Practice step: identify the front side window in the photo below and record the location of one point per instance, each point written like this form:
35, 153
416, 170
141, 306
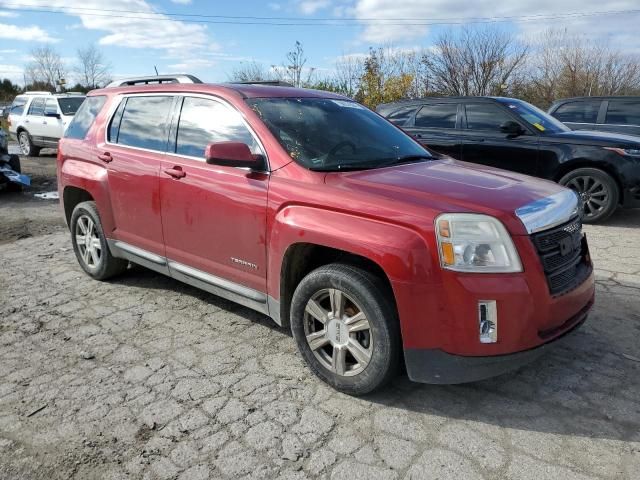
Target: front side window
84, 118
539, 120
400, 117
578, 112
144, 122
36, 107
69, 106
51, 107
623, 112
482, 116
326, 134
438, 115
204, 121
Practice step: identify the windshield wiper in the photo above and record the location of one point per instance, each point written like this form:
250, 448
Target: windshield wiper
343, 168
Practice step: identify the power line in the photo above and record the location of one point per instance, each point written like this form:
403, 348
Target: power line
296, 21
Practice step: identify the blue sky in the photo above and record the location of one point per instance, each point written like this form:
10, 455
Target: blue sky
135, 42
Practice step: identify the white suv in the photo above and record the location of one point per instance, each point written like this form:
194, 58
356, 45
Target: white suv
38, 119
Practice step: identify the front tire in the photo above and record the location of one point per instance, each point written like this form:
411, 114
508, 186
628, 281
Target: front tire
346, 327
26, 145
598, 192
90, 244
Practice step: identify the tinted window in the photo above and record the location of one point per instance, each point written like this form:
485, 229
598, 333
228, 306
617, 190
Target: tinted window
578, 112
51, 106
441, 115
144, 122
485, 117
541, 121
69, 106
400, 117
36, 107
84, 118
17, 107
204, 121
623, 112
112, 134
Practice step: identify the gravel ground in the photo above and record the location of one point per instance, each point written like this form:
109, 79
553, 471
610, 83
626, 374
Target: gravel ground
143, 377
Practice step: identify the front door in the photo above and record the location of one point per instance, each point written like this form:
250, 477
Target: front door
213, 217
484, 143
136, 142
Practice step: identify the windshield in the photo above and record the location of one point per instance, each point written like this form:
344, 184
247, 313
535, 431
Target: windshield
69, 106
541, 121
330, 135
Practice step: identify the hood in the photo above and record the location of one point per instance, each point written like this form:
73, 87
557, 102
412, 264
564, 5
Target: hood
449, 185
588, 137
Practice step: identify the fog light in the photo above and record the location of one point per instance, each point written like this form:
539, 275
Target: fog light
488, 321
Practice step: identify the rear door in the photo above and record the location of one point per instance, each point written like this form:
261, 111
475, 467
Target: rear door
435, 126
136, 142
213, 217
483, 142
579, 114
34, 122
622, 116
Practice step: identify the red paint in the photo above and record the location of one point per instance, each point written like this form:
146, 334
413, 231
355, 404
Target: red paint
213, 213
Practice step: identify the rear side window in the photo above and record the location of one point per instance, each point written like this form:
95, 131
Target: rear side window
17, 107
36, 107
400, 117
485, 117
623, 112
84, 118
69, 106
204, 121
578, 112
442, 115
144, 123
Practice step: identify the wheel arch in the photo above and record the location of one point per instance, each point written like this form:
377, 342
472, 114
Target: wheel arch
71, 197
607, 168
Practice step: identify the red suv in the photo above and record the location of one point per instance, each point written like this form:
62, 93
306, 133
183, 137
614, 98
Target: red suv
314, 210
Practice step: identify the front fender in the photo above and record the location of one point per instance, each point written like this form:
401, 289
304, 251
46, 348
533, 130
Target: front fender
401, 252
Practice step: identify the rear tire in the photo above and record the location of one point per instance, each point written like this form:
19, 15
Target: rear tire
90, 244
598, 192
26, 145
346, 327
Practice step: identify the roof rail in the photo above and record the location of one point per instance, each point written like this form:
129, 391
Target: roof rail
36, 93
273, 83
155, 79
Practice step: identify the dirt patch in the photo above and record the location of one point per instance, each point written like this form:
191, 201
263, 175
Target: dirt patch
21, 214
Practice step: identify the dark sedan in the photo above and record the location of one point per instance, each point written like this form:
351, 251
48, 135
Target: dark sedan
603, 168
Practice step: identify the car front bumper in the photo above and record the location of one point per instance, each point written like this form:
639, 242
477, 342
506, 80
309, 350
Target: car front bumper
439, 367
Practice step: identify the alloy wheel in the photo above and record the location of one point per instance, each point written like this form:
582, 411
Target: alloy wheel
593, 194
88, 242
25, 143
338, 332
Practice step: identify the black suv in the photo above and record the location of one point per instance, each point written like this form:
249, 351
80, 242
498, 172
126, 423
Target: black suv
603, 168
605, 114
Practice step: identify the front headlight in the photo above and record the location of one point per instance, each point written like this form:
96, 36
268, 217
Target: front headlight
469, 242
630, 152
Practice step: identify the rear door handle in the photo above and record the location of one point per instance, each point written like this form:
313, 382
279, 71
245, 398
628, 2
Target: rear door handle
175, 172
105, 157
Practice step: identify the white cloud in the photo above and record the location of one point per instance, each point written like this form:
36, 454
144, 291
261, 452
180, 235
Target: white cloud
274, 6
309, 7
25, 34
614, 27
12, 72
148, 30
181, 2
5, 14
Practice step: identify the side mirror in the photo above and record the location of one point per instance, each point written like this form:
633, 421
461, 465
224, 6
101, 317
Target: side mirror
511, 128
52, 115
233, 154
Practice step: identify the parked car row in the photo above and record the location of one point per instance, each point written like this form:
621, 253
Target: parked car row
603, 168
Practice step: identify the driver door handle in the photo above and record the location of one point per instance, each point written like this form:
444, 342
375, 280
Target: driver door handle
105, 157
175, 172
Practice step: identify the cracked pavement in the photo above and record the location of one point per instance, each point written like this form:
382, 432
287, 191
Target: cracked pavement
144, 377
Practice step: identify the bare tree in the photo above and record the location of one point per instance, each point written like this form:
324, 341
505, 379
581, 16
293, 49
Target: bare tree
46, 66
474, 61
249, 72
92, 68
296, 61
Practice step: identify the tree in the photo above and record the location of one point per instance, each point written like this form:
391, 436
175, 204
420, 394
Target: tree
474, 61
92, 69
8, 90
45, 67
249, 72
296, 61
